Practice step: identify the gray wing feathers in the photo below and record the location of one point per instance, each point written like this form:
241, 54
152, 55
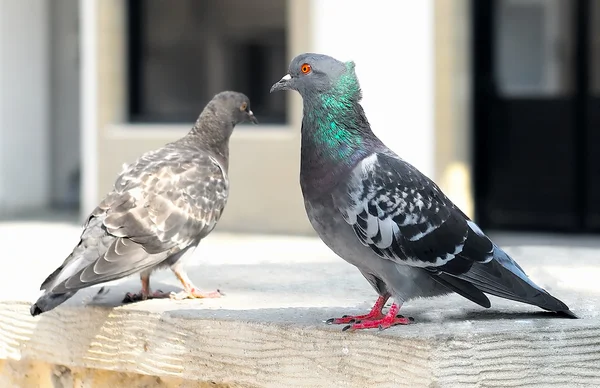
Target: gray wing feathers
160, 205
116, 263
404, 217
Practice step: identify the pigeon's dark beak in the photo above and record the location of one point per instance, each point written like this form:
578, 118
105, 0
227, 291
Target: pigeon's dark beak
283, 84
252, 118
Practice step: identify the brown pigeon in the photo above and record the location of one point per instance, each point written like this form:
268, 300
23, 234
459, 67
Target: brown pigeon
160, 208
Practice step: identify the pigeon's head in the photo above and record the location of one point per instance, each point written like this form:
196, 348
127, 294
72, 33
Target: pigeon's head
316, 74
234, 106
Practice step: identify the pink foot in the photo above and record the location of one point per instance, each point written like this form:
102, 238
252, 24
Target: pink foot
389, 320
195, 294
375, 313
355, 318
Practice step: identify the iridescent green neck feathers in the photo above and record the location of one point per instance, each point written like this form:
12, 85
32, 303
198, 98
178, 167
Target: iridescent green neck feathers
335, 119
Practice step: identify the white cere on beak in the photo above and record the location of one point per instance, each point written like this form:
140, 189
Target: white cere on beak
286, 77
250, 113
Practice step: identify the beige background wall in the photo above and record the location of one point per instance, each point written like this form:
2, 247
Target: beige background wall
261, 157
265, 157
453, 162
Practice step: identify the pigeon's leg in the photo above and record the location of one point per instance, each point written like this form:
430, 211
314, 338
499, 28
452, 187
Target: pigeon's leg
145, 293
374, 314
189, 289
389, 320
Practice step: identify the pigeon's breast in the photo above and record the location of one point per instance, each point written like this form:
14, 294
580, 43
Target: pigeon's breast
335, 232
404, 282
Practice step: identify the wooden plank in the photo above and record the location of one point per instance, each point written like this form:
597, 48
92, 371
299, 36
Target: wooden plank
551, 352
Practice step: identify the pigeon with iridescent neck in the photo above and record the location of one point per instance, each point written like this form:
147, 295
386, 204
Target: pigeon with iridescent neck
381, 214
160, 208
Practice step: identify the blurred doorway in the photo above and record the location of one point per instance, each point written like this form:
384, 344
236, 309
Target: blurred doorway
158, 62
536, 114
64, 106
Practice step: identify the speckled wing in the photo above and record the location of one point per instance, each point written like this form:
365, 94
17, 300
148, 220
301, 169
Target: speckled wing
164, 202
404, 217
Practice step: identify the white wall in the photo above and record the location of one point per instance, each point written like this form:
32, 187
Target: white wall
392, 43
88, 91
24, 108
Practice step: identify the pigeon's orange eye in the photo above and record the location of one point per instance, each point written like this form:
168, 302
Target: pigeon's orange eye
305, 69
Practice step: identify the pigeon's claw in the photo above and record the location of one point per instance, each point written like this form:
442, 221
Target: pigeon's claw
374, 314
389, 320
189, 290
382, 324
355, 318
132, 297
145, 293
193, 293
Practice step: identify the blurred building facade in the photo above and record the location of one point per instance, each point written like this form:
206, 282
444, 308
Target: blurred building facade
494, 100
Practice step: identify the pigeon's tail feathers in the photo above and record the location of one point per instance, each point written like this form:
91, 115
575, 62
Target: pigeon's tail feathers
47, 284
503, 277
79, 258
49, 301
101, 258
106, 269
463, 288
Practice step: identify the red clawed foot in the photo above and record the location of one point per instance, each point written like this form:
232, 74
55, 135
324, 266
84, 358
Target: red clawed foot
389, 320
354, 318
374, 314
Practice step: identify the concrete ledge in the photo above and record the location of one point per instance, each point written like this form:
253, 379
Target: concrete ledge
38, 374
268, 330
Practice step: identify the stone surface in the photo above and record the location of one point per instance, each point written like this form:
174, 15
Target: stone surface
268, 330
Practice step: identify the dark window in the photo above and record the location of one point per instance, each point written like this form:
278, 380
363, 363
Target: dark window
183, 52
